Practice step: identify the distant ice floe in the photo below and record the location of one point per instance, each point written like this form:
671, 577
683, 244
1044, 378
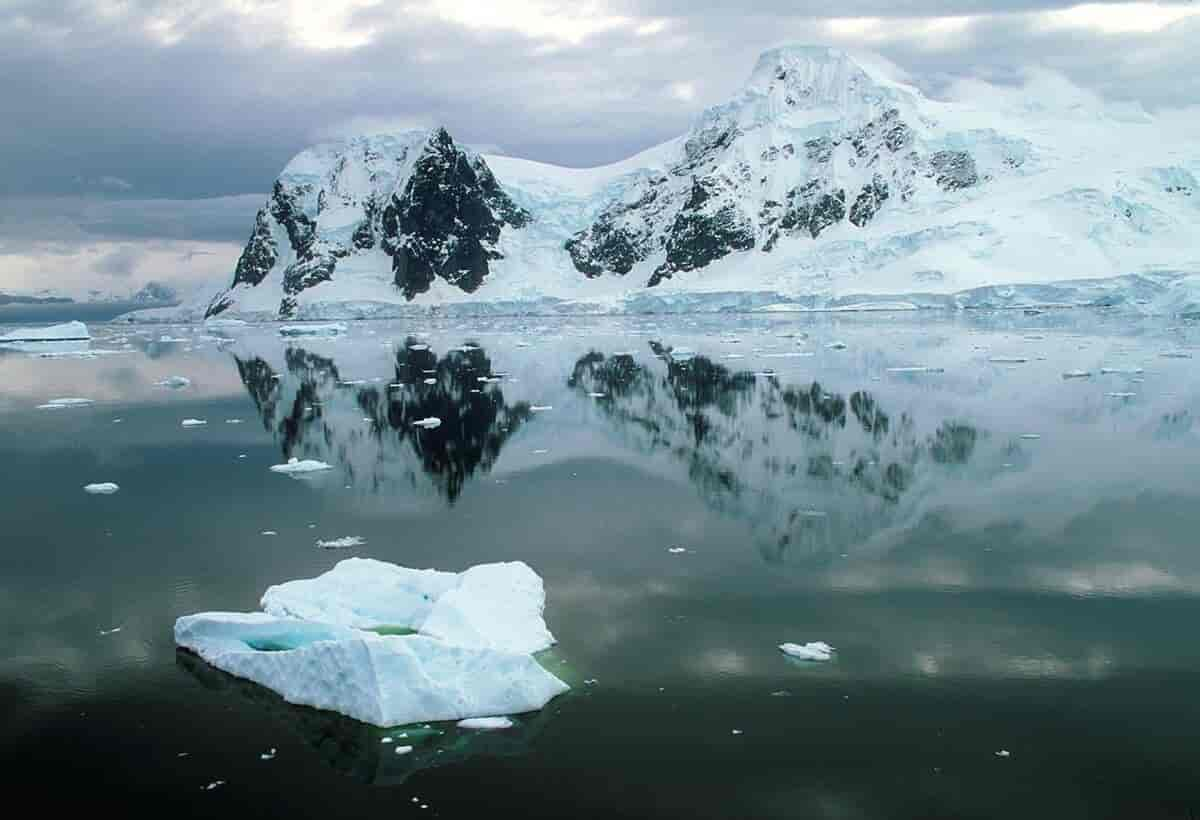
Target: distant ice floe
916, 369
540, 408
295, 466
1077, 374
816, 651
101, 488
343, 543
175, 382
65, 332
314, 329
430, 423
60, 404
389, 645
193, 423
1008, 360
486, 724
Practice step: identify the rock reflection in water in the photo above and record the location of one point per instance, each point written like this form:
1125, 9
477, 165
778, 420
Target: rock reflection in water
369, 429
812, 469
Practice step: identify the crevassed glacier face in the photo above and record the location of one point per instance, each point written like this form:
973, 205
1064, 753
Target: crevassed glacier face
383, 680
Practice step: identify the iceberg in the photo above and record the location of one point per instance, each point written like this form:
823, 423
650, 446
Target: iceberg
489, 606
296, 466
389, 645
66, 332
815, 651
102, 488
385, 680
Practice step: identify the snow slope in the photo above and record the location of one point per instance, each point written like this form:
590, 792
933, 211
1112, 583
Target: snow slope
827, 181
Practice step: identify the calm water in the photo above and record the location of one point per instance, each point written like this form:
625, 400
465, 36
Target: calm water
1005, 559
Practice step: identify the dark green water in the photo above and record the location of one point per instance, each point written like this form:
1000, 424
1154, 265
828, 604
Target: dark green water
1005, 559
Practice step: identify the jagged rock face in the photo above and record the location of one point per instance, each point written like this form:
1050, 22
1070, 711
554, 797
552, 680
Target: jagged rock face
447, 220
434, 209
744, 179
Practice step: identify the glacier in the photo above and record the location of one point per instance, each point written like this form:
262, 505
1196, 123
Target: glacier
828, 182
388, 645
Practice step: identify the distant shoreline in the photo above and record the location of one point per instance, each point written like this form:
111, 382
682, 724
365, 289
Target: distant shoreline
64, 312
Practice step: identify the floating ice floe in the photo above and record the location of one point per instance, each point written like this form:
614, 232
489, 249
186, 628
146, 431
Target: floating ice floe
1077, 374
268, 532
1004, 753
233, 421
540, 408
430, 381
1121, 371
404, 750
174, 382
677, 550
815, 651
313, 329
431, 423
65, 332
295, 466
1175, 354
1031, 436
597, 395
486, 724
836, 345
916, 369
1008, 360
59, 404
343, 543
389, 645
193, 423
101, 488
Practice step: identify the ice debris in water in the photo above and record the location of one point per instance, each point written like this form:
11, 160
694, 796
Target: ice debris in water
112, 631
313, 329
815, 651
597, 395
174, 382
344, 543
403, 750
430, 423
233, 421
268, 755
268, 532
1077, 374
213, 785
1004, 753
916, 369
1121, 395
1121, 371
389, 645
58, 404
193, 423
296, 466
102, 488
1031, 436
540, 408
1008, 360
430, 381
1175, 354
836, 345
486, 723
676, 550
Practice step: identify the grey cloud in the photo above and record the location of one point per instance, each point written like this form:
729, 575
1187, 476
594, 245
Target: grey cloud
120, 263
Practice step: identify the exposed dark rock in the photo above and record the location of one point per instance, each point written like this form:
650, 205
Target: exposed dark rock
260, 254
868, 202
953, 170
696, 239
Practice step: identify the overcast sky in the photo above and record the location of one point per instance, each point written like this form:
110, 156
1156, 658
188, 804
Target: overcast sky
138, 136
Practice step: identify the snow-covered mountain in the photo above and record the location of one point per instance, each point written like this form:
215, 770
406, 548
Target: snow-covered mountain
827, 181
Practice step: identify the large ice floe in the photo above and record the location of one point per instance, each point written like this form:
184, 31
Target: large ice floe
65, 332
389, 645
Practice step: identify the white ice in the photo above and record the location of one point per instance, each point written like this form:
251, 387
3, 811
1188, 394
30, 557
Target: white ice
174, 382
193, 423
66, 332
295, 466
343, 543
102, 488
313, 329
815, 651
430, 423
58, 404
486, 723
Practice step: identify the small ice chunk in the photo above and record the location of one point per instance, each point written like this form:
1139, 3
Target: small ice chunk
58, 404
540, 452
268, 532
268, 755
403, 750
815, 651
430, 381
313, 329
1121, 395
295, 466
418, 348
1077, 374
540, 408
486, 724
1008, 360
213, 785
193, 423
233, 421
1121, 371
1031, 436
916, 369
676, 550
343, 543
737, 732
836, 345
102, 488
112, 631
175, 382
1175, 354
430, 423
597, 395
1004, 753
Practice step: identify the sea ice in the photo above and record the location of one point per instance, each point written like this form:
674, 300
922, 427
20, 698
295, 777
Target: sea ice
295, 466
59, 404
815, 651
102, 488
65, 332
430, 423
193, 423
174, 382
486, 723
344, 543
1077, 374
313, 329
